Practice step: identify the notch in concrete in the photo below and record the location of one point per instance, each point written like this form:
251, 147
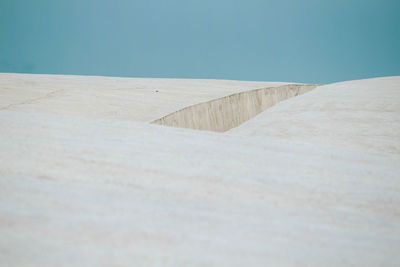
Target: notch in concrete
228, 112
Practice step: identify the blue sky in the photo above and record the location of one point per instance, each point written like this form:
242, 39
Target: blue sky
315, 41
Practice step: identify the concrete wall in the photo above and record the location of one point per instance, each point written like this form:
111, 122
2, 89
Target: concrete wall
228, 112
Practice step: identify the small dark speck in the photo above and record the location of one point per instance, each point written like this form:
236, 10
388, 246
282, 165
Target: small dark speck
156, 91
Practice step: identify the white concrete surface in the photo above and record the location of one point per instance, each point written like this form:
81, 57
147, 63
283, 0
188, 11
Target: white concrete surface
83, 190
136, 99
364, 113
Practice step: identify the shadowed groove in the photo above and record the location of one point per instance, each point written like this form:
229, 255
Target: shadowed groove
230, 111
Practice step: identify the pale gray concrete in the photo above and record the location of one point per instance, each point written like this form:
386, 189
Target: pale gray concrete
136, 99
83, 190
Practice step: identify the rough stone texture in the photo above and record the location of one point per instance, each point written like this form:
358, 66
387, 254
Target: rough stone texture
318, 186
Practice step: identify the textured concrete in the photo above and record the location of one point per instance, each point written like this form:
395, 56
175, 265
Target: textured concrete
84, 190
135, 99
230, 111
364, 113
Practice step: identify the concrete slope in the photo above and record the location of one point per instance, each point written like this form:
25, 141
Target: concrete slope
81, 190
363, 113
230, 111
135, 99
106, 192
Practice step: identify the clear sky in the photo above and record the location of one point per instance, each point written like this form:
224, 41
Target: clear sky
316, 41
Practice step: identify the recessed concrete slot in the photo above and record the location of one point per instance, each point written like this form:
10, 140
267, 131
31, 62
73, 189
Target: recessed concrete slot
225, 113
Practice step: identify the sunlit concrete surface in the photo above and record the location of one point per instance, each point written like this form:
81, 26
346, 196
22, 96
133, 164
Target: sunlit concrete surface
136, 99
311, 181
363, 113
